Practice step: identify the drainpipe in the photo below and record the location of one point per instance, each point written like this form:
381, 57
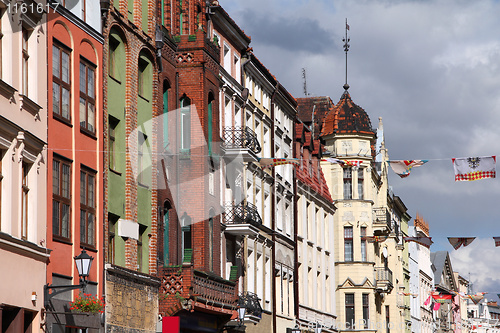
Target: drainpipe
273, 210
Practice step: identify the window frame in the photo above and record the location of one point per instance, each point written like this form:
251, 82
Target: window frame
364, 252
347, 181
350, 313
348, 241
24, 199
60, 199
360, 183
366, 309
25, 36
185, 125
59, 81
88, 99
88, 206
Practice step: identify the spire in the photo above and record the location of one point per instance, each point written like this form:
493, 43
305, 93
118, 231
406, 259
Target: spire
346, 41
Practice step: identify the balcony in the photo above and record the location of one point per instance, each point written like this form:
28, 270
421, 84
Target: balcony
381, 220
251, 302
241, 219
183, 287
383, 276
240, 141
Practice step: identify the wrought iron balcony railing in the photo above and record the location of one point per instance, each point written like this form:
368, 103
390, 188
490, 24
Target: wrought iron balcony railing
382, 216
242, 213
383, 276
251, 302
240, 137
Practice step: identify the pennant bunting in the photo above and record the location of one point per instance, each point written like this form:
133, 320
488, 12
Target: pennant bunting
476, 298
427, 301
456, 242
333, 160
409, 294
436, 306
474, 168
425, 241
497, 243
271, 162
402, 168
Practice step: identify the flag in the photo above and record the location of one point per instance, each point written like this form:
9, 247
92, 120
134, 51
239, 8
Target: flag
456, 242
333, 160
474, 168
497, 243
427, 301
425, 241
271, 162
403, 167
352, 163
436, 306
347, 26
376, 239
442, 298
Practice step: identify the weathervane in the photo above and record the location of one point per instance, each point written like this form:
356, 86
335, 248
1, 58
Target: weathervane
346, 40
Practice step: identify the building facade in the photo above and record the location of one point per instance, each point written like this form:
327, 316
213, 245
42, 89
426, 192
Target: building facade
24, 251
315, 268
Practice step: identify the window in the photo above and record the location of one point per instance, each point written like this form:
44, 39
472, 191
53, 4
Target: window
185, 235
114, 45
210, 123
24, 201
360, 183
140, 247
141, 158
87, 207
348, 250
211, 240
347, 183
143, 78
166, 88
181, 18
113, 124
363, 244
60, 81
87, 96
387, 319
227, 58
61, 200
349, 310
166, 232
185, 125
366, 310
112, 219
26, 35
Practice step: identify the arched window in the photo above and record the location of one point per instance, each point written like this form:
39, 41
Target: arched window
186, 244
199, 25
210, 122
185, 115
166, 233
145, 77
211, 215
166, 88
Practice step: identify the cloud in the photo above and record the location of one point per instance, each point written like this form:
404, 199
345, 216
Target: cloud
484, 274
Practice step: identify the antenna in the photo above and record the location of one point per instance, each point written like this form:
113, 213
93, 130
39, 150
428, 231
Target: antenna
346, 40
305, 82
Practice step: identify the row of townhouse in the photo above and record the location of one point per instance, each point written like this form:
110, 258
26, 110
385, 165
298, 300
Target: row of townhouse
131, 132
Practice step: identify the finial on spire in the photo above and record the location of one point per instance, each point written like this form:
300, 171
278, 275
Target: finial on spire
346, 41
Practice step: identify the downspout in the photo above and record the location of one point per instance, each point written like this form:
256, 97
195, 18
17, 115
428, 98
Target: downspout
273, 209
295, 223
177, 169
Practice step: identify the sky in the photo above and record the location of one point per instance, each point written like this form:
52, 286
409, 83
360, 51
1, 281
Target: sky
431, 70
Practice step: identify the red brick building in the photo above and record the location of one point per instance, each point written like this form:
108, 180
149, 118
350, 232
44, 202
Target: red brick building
190, 266
74, 159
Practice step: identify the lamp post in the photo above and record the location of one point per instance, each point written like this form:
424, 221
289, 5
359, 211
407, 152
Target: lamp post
83, 263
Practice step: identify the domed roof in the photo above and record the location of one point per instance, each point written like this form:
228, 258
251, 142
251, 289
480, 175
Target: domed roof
347, 117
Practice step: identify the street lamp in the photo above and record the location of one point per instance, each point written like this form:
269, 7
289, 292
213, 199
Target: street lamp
241, 314
83, 263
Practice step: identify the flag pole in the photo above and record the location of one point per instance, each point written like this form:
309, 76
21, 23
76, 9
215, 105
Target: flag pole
346, 41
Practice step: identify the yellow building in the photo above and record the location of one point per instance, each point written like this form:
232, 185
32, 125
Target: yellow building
367, 223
